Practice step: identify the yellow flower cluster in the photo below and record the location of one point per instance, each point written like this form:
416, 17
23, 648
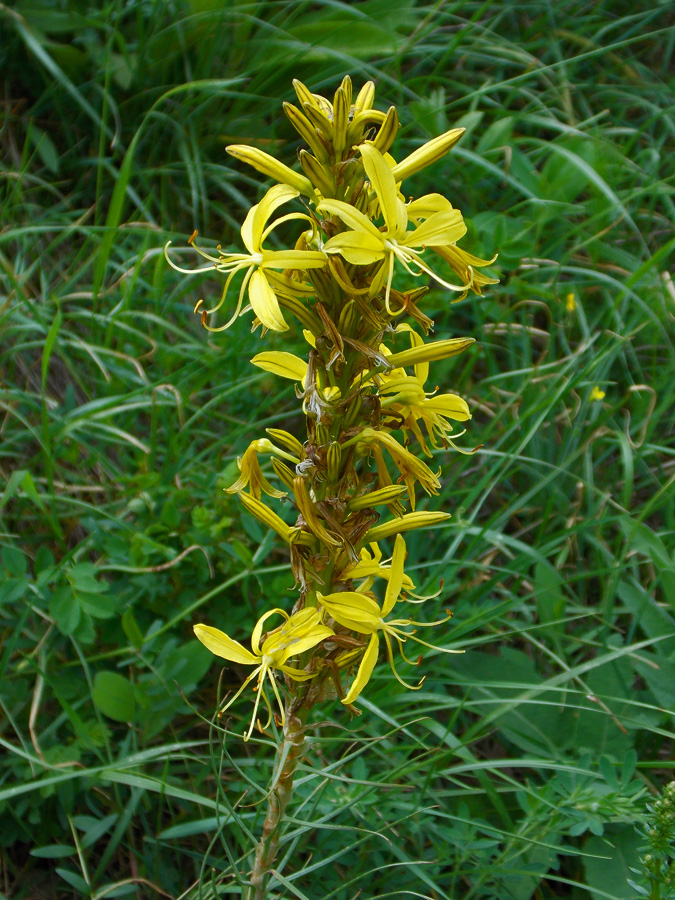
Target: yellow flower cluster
363, 397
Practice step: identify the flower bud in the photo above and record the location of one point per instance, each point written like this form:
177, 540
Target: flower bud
282, 472
333, 460
380, 497
268, 165
408, 522
426, 154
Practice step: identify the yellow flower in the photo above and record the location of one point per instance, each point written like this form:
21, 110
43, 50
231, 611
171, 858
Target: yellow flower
365, 244
404, 395
361, 613
251, 473
411, 468
570, 302
596, 393
300, 632
371, 566
258, 263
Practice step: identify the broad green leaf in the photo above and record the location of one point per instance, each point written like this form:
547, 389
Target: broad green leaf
53, 851
14, 562
84, 577
65, 609
114, 696
610, 876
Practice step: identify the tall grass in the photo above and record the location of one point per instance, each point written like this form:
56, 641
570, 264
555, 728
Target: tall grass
523, 767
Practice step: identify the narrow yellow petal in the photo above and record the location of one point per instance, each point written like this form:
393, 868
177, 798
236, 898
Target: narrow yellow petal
395, 582
264, 302
380, 497
258, 630
266, 515
450, 405
282, 363
385, 136
221, 645
308, 512
427, 205
439, 229
353, 610
258, 215
365, 669
380, 177
352, 217
357, 247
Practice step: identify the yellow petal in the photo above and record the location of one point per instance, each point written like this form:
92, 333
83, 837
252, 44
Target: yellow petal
221, 645
353, 610
439, 229
352, 217
365, 669
258, 630
357, 247
258, 215
395, 582
281, 363
380, 177
264, 302
426, 206
450, 405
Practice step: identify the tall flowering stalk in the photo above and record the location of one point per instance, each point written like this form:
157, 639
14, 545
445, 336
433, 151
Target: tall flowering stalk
369, 415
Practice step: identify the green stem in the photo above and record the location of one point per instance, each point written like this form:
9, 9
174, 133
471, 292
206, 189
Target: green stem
291, 752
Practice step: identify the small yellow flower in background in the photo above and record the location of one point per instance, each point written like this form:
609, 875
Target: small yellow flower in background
570, 302
300, 632
596, 393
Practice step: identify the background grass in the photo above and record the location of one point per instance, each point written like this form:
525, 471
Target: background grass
523, 767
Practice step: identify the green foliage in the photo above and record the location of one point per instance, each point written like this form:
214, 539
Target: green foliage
521, 768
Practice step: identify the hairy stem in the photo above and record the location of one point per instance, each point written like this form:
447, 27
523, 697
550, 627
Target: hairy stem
291, 752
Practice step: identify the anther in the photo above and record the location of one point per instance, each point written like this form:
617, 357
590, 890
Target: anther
197, 305
193, 236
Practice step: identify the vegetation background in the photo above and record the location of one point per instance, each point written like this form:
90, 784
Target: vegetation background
524, 767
